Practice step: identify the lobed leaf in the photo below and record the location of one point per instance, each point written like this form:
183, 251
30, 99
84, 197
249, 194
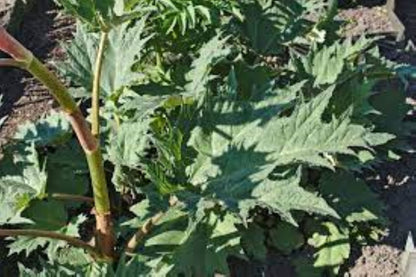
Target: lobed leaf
117, 71
333, 247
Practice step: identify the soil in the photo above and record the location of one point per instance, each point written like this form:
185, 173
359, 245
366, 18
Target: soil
395, 182
366, 20
343, 4
25, 99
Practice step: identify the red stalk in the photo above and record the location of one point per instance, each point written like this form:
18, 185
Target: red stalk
11, 46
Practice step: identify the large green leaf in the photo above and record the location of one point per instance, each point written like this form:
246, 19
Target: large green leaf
253, 240
117, 72
67, 170
22, 180
324, 64
50, 130
351, 197
128, 146
48, 270
391, 104
213, 238
284, 196
332, 245
99, 14
127, 151
269, 26
285, 238
209, 55
125, 267
46, 215
304, 137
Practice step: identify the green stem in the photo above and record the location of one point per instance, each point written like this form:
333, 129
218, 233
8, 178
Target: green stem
90, 145
147, 227
48, 234
142, 232
71, 197
99, 183
59, 91
104, 227
117, 121
11, 63
95, 113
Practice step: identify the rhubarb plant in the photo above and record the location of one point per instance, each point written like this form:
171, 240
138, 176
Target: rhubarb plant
232, 144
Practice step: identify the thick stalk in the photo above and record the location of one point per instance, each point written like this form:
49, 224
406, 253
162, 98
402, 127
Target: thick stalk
142, 232
148, 226
90, 145
72, 197
47, 234
11, 62
95, 112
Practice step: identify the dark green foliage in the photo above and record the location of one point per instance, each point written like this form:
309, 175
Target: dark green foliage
285, 238
215, 113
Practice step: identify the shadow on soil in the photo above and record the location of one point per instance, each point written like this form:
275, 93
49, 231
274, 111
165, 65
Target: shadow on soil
395, 182
33, 34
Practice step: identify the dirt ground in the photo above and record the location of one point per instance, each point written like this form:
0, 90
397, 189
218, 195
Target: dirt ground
395, 182
41, 31
25, 99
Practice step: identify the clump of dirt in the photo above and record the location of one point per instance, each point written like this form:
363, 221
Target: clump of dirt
379, 260
364, 20
396, 185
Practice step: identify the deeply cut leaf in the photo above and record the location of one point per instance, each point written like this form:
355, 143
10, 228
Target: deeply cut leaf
117, 72
332, 245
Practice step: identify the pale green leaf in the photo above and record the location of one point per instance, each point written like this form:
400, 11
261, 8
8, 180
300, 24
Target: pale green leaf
50, 130
304, 137
214, 239
128, 146
209, 55
269, 26
22, 179
117, 72
30, 244
284, 196
332, 245
99, 14
325, 64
